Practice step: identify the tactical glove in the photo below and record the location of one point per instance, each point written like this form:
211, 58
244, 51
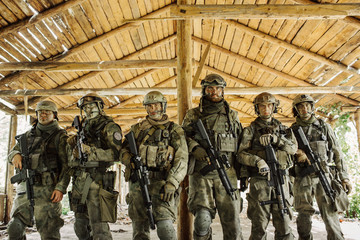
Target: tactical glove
267, 139
199, 153
263, 167
85, 148
169, 192
301, 157
126, 159
347, 186
72, 141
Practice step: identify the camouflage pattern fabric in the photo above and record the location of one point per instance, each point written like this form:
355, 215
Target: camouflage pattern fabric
250, 152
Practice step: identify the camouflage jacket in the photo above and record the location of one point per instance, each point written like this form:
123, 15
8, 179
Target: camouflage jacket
251, 151
223, 127
162, 147
323, 142
47, 153
104, 137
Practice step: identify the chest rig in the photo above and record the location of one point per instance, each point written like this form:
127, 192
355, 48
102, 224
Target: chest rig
155, 147
260, 129
94, 132
222, 131
43, 153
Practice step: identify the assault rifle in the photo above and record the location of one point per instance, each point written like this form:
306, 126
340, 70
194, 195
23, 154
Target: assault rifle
141, 175
216, 161
276, 181
80, 139
26, 174
315, 166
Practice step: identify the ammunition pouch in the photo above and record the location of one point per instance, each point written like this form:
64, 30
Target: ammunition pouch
226, 142
108, 205
156, 156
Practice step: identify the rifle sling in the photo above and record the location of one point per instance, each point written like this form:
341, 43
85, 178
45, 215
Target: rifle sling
85, 190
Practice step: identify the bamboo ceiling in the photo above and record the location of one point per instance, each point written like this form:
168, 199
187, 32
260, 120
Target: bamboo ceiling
77, 44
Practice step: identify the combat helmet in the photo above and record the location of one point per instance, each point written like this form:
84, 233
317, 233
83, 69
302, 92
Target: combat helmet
47, 105
91, 98
212, 80
265, 97
155, 97
300, 99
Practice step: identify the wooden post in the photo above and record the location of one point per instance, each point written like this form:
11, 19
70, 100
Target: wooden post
357, 125
10, 170
184, 97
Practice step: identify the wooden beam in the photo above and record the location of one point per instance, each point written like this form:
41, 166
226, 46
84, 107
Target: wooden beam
184, 97
27, 22
86, 66
6, 109
334, 64
174, 91
12, 78
280, 74
266, 11
357, 125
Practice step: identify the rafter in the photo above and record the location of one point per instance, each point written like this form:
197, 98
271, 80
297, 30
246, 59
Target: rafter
275, 72
12, 78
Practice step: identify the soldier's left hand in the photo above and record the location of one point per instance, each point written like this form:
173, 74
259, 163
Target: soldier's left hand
169, 192
85, 148
56, 196
267, 139
347, 186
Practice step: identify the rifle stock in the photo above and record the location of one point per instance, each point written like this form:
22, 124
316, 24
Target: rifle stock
276, 181
315, 166
26, 174
216, 162
142, 176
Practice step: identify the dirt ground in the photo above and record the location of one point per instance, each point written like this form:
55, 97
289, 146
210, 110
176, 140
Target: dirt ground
122, 229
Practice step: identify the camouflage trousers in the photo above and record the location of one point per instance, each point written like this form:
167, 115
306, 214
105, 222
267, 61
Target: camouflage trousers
137, 210
260, 215
306, 189
207, 192
100, 230
47, 214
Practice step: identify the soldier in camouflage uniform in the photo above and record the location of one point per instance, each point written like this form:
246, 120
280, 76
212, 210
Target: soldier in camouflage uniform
261, 132
93, 198
324, 144
206, 193
47, 155
162, 146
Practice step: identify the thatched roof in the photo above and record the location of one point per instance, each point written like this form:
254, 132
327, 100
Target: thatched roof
284, 50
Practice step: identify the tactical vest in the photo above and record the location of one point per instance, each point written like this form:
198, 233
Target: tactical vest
316, 133
154, 147
43, 152
257, 149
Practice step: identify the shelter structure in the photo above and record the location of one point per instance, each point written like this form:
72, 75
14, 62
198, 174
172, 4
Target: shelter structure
121, 49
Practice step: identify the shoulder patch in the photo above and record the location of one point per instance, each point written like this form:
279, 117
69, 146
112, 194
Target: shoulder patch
117, 137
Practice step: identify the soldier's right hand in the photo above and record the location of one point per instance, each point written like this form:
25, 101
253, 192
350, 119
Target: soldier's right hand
17, 161
301, 157
72, 141
263, 167
199, 153
125, 159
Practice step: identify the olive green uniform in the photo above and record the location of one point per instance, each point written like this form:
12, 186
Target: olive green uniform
47, 156
206, 193
250, 153
163, 150
92, 196
324, 144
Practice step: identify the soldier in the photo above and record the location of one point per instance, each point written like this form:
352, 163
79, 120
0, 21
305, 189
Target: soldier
263, 131
206, 193
162, 146
324, 144
46, 144
93, 198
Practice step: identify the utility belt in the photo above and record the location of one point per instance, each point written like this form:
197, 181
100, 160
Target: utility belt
157, 174
45, 178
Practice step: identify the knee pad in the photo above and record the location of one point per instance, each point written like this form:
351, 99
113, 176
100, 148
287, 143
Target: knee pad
165, 230
16, 229
82, 228
202, 222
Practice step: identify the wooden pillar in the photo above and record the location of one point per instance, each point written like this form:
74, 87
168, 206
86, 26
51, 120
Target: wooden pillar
357, 124
184, 98
10, 170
